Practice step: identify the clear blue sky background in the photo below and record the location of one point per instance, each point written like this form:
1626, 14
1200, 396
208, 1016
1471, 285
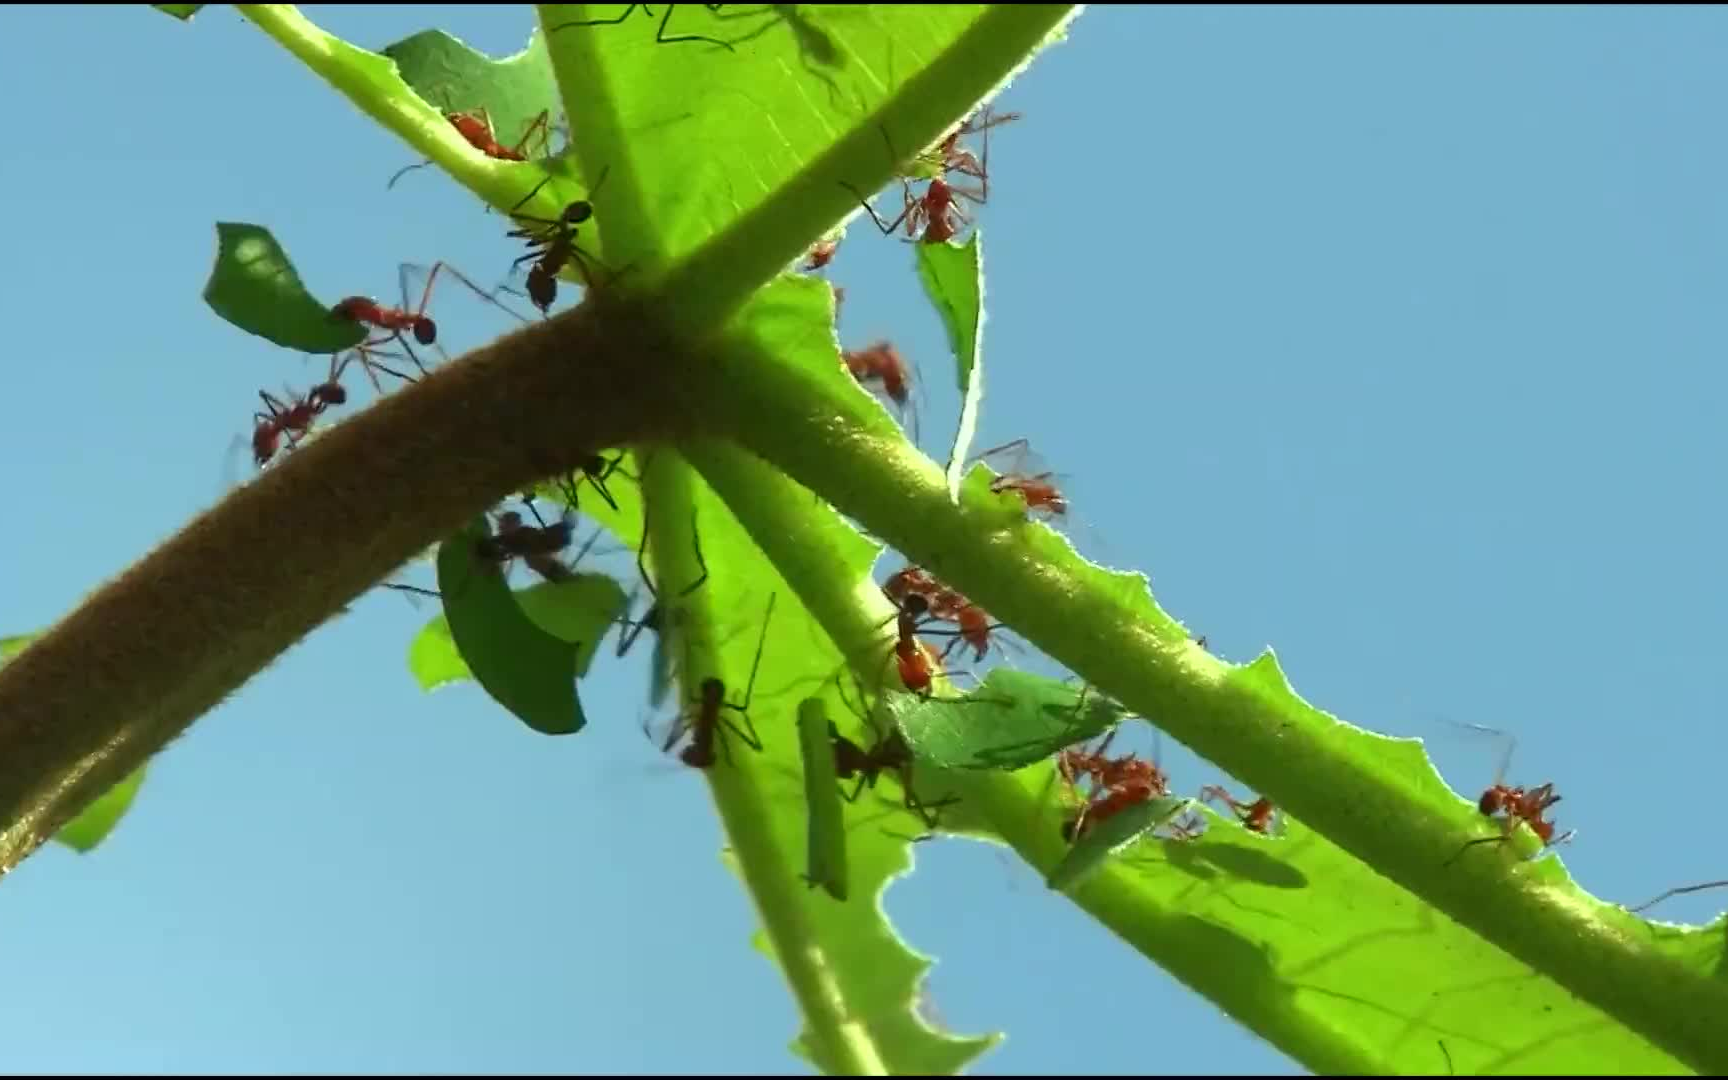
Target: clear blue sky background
1391, 339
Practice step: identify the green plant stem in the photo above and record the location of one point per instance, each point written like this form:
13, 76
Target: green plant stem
740, 794
1243, 720
108, 686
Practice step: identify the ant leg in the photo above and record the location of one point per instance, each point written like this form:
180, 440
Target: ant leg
660, 37
599, 22
887, 229
755, 666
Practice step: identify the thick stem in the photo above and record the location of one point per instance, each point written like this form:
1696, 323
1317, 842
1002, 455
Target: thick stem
113, 682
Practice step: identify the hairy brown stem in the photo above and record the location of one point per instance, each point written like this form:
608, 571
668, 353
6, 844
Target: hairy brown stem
189, 624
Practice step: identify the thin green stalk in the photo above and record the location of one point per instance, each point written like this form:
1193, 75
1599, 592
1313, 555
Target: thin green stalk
739, 787
1247, 721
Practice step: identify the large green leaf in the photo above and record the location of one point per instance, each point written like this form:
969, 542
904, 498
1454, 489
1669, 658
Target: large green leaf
523, 667
254, 286
1013, 720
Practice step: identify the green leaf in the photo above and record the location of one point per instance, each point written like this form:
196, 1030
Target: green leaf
827, 845
12, 646
254, 286
1110, 836
452, 77
1013, 720
524, 668
577, 611
97, 820
953, 277
183, 12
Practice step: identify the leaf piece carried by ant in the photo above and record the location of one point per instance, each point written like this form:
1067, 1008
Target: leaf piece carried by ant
183, 12
827, 847
97, 820
254, 286
953, 279
449, 75
1013, 720
577, 611
1112, 835
521, 666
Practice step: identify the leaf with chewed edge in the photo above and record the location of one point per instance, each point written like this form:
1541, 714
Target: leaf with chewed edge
183, 12
523, 668
254, 285
452, 77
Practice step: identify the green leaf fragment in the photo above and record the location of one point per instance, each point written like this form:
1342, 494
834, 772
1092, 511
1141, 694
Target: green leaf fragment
1013, 720
1107, 837
96, 821
452, 77
577, 611
254, 286
827, 848
953, 277
183, 12
523, 667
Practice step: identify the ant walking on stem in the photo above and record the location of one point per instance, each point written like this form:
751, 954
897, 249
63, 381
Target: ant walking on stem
705, 715
1514, 804
367, 311
552, 244
889, 753
475, 127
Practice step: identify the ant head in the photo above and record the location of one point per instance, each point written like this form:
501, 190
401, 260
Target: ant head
915, 604
331, 393
711, 693
578, 212
425, 330
349, 308
509, 521
1491, 802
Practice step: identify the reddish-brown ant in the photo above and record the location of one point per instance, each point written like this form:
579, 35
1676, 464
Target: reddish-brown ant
821, 254
1117, 784
364, 309
1038, 490
1514, 804
660, 37
294, 419
938, 210
942, 604
880, 362
956, 158
1256, 816
552, 244
703, 721
475, 126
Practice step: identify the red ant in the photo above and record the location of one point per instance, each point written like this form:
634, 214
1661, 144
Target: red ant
475, 126
660, 37
1256, 816
295, 420
821, 254
938, 209
1037, 489
957, 159
704, 724
552, 245
1117, 784
881, 362
364, 309
1515, 804
942, 604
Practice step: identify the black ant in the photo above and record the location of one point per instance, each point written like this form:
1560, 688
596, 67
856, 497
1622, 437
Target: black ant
709, 713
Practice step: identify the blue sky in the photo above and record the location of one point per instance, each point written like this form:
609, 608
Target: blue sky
1388, 338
